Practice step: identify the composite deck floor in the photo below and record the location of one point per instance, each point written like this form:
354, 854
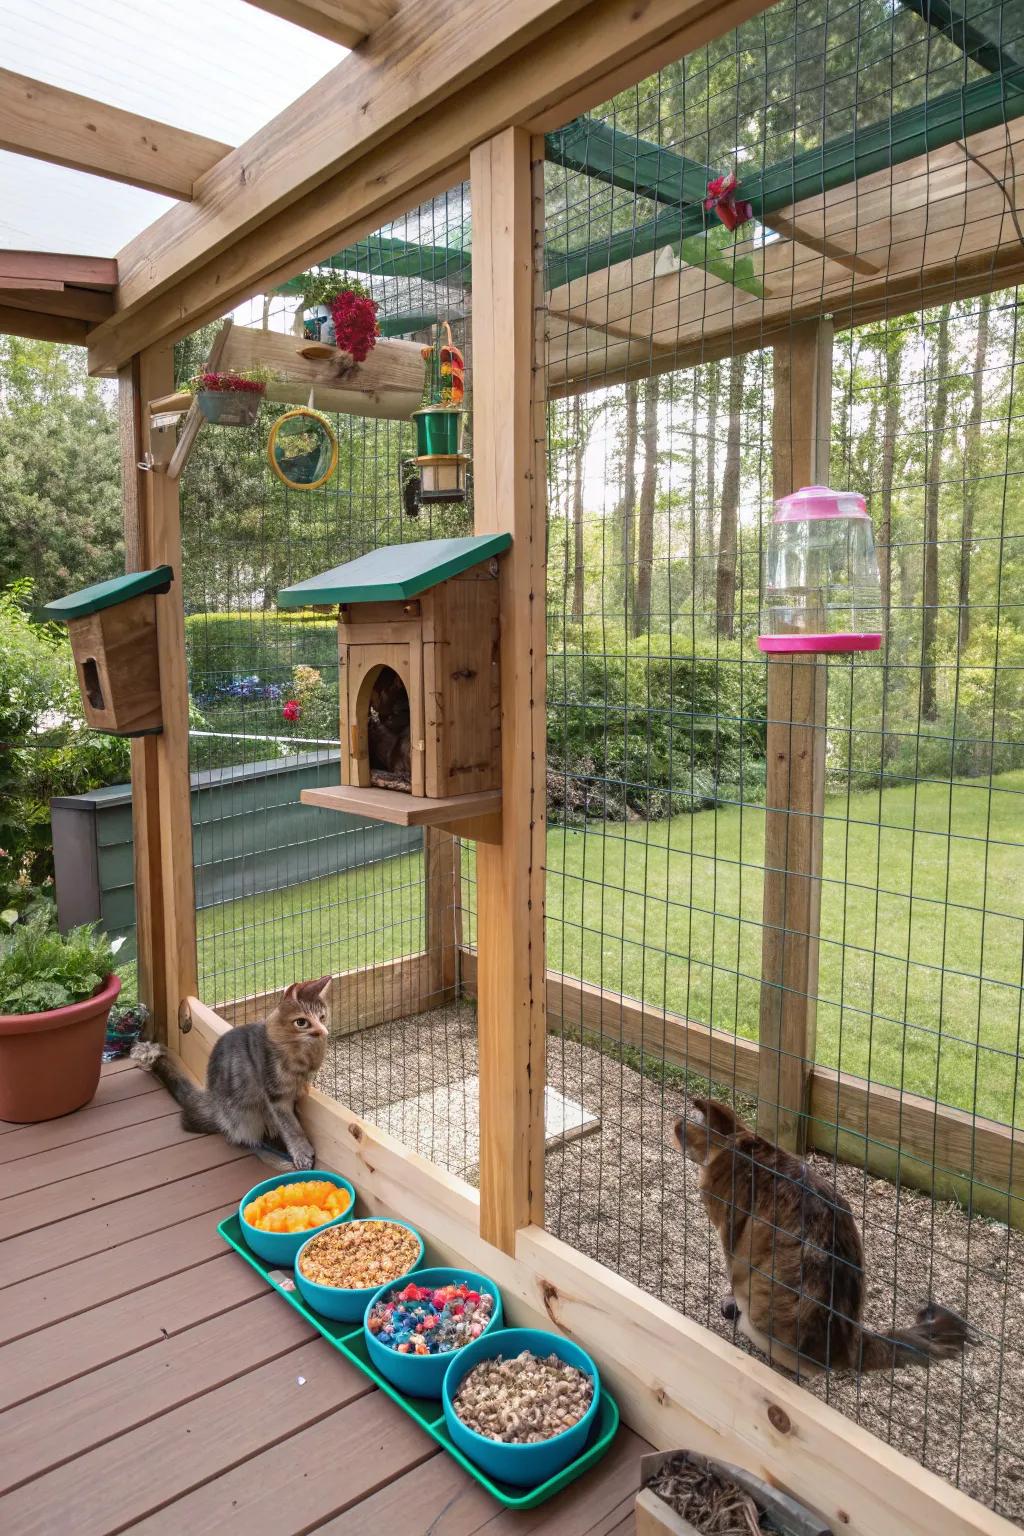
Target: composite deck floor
148, 1381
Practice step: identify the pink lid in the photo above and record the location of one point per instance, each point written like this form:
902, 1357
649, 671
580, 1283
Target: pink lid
815, 501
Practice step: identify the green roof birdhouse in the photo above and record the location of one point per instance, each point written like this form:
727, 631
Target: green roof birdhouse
112, 627
419, 691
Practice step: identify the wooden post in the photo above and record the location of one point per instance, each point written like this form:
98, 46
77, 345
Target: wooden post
509, 453
795, 791
442, 886
161, 800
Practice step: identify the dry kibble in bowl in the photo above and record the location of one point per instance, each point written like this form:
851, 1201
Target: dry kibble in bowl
360, 1255
524, 1399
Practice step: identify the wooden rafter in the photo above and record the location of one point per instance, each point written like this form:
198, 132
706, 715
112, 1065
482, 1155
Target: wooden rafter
66, 129
348, 22
338, 161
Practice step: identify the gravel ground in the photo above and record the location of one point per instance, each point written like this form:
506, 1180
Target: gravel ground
627, 1197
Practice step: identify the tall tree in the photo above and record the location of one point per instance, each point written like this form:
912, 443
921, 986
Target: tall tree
932, 479
725, 583
895, 337
645, 522
628, 509
707, 557
579, 448
972, 470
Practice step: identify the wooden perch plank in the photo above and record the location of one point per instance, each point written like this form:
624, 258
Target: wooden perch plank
74, 271
67, 129
392, 365
348, 22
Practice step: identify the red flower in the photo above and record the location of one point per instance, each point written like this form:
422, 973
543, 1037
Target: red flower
355, 324
225, 382
721, 200
292, 710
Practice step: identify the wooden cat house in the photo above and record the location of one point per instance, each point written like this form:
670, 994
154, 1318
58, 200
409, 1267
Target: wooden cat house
113, 633
419, 691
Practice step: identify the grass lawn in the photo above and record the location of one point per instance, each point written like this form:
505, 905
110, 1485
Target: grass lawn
922, 929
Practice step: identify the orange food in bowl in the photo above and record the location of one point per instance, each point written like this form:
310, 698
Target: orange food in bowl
297, 1207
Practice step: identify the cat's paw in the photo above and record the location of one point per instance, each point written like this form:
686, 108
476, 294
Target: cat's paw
145, 1053
305, 1160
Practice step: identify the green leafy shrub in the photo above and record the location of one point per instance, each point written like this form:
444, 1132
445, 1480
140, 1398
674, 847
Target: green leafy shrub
317, 700
249, 641
42, 969
644, 727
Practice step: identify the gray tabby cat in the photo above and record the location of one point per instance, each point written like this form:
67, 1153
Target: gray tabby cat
255, 1076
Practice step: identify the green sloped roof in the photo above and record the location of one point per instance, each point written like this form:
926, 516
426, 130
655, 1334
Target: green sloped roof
394, 572
107, 594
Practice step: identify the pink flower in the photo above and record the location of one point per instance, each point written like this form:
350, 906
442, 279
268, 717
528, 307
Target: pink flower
292, 710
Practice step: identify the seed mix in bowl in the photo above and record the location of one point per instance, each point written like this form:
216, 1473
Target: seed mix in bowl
360, 1254
524, 1399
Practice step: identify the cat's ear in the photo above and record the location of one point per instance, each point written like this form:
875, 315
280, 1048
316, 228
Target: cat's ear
719, 1117
310, 991
291, 993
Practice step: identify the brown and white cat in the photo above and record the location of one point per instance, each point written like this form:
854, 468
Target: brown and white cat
255, 1076
794, 1257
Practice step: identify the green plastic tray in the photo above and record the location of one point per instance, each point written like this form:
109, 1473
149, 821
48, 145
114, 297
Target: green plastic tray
428, 1412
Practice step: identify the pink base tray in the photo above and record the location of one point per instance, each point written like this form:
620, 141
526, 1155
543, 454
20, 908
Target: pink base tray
791, 645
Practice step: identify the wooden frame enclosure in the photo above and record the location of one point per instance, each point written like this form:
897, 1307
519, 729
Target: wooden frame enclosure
434, 91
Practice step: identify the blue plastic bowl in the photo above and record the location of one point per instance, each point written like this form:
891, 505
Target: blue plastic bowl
525, 1466
339, 1303
282, 1247
423, 1375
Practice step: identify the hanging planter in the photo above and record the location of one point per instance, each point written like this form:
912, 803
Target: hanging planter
230, 399
441, 421
339, 312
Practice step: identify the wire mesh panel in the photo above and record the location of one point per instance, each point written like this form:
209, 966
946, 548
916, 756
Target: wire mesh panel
799, 900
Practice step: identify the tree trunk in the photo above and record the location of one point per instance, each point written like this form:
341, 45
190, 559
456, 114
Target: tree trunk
645, 527
714, 383
933, 475
725, 585
629, 498
579, 448
890, 426
972, 469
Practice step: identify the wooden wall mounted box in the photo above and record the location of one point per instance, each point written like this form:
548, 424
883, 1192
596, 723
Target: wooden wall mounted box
425, 614
113, 631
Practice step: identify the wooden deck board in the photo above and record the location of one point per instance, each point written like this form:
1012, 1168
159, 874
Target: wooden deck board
153, 1385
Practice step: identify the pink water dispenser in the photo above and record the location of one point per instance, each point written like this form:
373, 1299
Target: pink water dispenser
822, 590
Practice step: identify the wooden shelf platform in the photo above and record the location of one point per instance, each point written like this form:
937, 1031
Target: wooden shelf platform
406, 810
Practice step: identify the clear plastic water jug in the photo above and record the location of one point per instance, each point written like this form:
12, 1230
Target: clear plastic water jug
821, 585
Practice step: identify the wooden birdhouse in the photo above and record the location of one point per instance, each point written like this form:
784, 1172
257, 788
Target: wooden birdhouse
419, 693
112, 627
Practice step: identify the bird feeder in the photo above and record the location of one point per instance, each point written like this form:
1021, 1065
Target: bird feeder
440, 464
822, 591
419, 697
113, 633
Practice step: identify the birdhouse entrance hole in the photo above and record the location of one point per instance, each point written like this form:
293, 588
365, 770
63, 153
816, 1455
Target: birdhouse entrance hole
91, 683
385, 718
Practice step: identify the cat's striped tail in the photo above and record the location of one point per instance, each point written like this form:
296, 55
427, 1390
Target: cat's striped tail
197, 1112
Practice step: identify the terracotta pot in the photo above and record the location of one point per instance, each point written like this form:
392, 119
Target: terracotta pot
50, 1062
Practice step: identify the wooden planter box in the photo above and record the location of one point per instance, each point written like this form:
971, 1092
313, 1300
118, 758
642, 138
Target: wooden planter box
113, 632
656, 1518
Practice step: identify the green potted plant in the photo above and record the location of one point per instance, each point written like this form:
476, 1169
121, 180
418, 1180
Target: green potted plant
56, 991
339, 312
230, 399
441, 419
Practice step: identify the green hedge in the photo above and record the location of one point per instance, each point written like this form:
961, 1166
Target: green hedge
645, 727
268, 644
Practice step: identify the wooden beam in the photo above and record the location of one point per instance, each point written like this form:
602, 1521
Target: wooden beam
677, 1383
442, 910
18, 321
56, 125
32, 284
75, 271
161, 794
510, 476
194, 418
795, 788
348, 22
280, 201
392, 365
89, 304
358, 999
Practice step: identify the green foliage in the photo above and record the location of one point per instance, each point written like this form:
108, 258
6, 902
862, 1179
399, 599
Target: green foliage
60, 478
318, 702
648, 728
45, 746
42, 969
322, 287
250, 641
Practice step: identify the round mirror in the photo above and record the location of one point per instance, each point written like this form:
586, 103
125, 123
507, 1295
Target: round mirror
303, 450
